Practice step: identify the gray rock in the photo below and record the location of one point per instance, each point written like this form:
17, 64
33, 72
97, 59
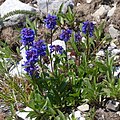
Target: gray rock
83, 108
88, 1
12, 5
113, 32
49, 6
112, 105
23, 115
115, 52
111, 11
117, 72
102, 10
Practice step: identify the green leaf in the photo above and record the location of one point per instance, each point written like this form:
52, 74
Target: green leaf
62, 117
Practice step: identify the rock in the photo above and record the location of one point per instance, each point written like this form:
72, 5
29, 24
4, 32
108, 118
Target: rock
76, 114
117, 72
88, 1
19, 70
115, 52
83, 108
23, 115
102, 10
118, 113
101, 114
100, 53
49, 6
112, 46
112, 105
12, 5
113, 32
111, 11
56, 42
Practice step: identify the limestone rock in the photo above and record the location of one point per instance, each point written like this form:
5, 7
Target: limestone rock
49, 6
83, 108
113, 32
12, 5
112, 105
102, 10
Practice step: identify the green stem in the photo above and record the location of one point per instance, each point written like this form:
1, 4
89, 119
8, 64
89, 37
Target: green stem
88, 47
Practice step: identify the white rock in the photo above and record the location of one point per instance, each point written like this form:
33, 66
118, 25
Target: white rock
112, 46
100, 53
56, 42
49, 6
113, 32
88, 1
113, 105
115, 51
12, 5
117, 72
118, 113
23, 115
102, 10
19, 70
83, 108
76, 114
78, 4
111, 11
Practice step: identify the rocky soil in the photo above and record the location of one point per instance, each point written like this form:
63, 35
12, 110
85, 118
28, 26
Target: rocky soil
94, 10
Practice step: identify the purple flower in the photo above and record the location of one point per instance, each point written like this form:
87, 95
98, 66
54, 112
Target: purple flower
50, 21
41, 47
65, 35
88, 27
31, 69
32, 55
56, 48
27, 36
78, 37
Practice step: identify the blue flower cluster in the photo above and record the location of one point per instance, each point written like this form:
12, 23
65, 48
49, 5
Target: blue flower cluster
66, 34
78, 37
88, 27
27, 36
36, 49
56, 48
51, 21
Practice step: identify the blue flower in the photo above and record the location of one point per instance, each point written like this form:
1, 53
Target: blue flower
66, 34
56, 48
50, 21
32, 55
41, 47
27, 36
88, 27
78, 37
31, 69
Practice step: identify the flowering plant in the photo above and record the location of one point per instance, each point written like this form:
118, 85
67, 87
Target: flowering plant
62, 76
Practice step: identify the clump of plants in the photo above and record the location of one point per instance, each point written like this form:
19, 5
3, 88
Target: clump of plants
58, 79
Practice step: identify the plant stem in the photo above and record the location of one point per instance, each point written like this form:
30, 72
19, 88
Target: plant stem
50, 54
88, 47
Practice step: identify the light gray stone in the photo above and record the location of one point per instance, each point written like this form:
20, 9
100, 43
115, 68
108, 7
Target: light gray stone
23, 115
49, 6
115, 52
102, 10
12, 5
117, 72
111, 11
83, 108
88, 1
100, 53
113, 32
112, 105
77, 115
